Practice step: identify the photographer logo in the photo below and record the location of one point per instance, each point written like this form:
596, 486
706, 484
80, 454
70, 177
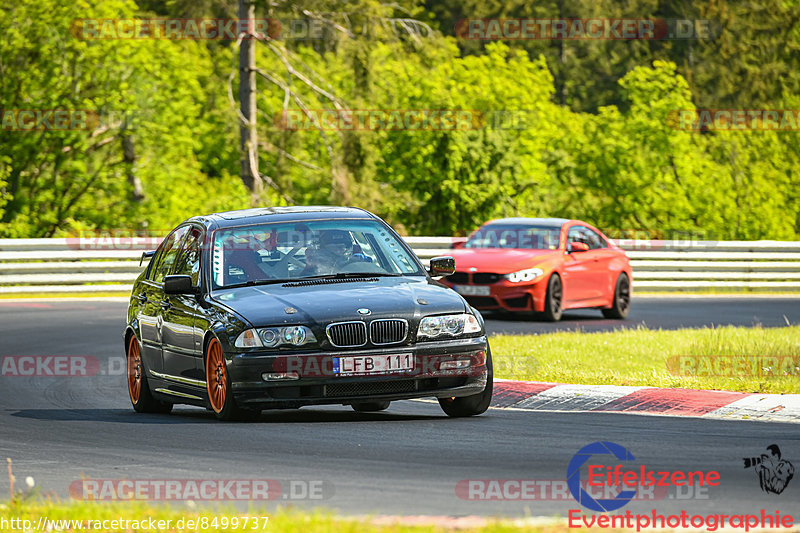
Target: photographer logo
774, 473
615, 477
574, 476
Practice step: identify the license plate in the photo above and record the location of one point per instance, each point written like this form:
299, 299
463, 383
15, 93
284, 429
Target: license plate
372, 364
473, 290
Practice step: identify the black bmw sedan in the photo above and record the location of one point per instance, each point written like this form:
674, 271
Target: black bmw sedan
275, 308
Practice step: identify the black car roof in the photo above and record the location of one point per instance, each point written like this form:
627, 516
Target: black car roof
280, 214
522, 221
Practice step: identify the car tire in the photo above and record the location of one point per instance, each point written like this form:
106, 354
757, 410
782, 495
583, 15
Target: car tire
622, 299
138, 388
218, 386
554, 299
475, 404
370, 407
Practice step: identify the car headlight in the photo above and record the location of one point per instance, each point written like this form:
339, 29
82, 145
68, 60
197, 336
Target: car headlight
448, 326
274, 337
529, 274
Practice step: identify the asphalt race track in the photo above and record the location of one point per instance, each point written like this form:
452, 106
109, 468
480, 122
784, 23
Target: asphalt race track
666, 312
407, 460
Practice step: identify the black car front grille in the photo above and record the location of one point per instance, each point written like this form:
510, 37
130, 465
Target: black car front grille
485, 278
370, 388
458, 277
388, 331
347, 334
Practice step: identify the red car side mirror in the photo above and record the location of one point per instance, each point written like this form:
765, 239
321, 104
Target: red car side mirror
577, 247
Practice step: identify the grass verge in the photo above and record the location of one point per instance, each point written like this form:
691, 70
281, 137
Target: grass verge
719, 292
726, 358
99, 516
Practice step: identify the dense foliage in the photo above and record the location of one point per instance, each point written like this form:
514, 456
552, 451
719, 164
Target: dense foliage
577, 128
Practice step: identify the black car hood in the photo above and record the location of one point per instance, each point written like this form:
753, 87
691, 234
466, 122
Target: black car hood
403, 297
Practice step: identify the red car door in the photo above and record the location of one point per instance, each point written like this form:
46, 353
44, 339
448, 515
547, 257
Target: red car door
579, 270
601, 255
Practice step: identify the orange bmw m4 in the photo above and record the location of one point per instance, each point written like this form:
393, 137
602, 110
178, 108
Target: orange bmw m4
542, 265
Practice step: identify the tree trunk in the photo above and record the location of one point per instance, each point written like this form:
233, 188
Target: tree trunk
247, 103
129, 158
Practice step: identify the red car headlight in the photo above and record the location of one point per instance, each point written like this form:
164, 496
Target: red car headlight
529, 274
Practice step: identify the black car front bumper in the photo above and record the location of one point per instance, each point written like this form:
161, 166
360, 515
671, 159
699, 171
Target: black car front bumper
314, 382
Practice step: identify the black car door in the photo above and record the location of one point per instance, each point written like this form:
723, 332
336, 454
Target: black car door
181, 339
148, 304
147, 312
151, 300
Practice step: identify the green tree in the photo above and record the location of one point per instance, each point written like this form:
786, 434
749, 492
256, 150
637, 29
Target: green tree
137, 166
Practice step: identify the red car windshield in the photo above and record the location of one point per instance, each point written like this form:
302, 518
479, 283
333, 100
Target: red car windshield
523, 237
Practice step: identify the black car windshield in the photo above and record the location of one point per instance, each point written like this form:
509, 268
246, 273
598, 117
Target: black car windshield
508, 236
294, 251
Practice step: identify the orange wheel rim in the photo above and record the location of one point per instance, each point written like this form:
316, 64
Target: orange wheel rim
134, 369
216, 376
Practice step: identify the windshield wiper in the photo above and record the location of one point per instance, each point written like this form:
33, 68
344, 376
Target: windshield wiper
254, 282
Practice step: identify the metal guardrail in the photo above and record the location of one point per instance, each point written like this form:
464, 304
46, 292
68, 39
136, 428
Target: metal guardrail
71, 265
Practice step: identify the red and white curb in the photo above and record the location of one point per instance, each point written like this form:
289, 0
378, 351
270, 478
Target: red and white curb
540, 396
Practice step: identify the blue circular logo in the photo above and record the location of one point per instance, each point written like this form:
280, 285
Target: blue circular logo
574, 476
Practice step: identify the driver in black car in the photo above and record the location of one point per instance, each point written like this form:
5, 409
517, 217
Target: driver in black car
335, 250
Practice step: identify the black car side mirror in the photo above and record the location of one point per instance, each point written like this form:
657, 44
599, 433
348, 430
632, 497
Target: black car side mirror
179, 284
442, 266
